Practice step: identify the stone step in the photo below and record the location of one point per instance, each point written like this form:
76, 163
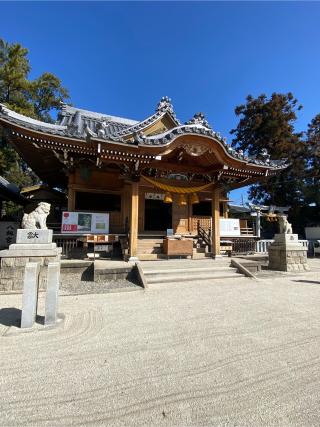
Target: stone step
150, 241
163, 278
210, 281
201, 255
148, 257
199, 250
185, 264
142, 251
189, 271
149, 246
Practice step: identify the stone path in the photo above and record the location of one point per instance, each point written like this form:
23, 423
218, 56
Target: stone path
229, 353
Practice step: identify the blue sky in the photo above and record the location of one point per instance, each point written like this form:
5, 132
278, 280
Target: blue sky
122, 57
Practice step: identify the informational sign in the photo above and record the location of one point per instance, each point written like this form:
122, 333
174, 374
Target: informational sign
229, 227
85, 223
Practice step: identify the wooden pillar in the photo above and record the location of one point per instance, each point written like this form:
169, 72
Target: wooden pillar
225, 210
71, 199
71, 193
134, 215
125, 206
215, 245
190, 215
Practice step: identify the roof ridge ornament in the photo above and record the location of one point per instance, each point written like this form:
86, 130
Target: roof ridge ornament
165, 105
199, 119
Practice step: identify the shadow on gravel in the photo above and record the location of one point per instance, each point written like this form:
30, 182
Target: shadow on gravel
11, 316
88, 274
314, 282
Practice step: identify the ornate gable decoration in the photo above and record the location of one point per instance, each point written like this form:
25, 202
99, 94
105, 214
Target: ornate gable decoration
199, 119
165, 106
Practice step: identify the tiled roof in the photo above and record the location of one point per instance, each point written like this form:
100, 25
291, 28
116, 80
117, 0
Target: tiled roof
9, 191
83, 124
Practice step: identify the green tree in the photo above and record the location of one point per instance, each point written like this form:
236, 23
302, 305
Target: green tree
312, 192
268, 123
14, 69
47, 94
37, 98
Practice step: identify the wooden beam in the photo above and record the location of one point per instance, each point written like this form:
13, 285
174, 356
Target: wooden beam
134, 215
215, 236
175, 167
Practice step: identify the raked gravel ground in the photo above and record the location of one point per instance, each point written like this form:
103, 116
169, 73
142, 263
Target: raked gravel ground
232, 353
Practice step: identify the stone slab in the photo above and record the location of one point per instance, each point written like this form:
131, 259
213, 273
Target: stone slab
286, 238
27, 253
287, 248
32, 246
25, 235
53, 281
30, 295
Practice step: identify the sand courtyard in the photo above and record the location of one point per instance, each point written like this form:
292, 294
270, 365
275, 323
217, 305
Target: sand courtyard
230, 353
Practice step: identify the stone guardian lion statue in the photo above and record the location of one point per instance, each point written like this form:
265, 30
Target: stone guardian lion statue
285, 226
37, 218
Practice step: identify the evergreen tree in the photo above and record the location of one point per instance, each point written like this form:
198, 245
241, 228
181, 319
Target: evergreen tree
34, 98
14, 69
46, 94
312, 192
268, 123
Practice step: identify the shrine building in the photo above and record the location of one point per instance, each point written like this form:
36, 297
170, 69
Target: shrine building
151, 176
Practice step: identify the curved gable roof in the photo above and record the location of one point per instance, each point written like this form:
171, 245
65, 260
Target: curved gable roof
86, 125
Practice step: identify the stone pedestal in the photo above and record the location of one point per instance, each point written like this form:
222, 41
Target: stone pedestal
286, 253
31, 246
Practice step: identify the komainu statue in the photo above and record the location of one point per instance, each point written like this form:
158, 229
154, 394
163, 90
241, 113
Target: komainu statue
285, 226
37, 218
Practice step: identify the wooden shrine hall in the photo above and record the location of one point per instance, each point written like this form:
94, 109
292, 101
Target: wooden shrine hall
150, 176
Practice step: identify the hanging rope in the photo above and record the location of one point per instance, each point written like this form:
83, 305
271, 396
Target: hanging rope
174, 189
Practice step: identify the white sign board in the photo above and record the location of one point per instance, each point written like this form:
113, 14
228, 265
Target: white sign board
229, 227
85, 223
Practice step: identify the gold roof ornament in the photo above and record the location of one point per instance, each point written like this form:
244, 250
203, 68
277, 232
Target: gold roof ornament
167, 198
182, 200
194, 199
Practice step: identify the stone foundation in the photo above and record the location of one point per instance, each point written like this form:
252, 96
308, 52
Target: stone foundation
12, 271
14, 260
287, 254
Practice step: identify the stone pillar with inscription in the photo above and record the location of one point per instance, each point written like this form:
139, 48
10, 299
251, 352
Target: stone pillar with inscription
32, 245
